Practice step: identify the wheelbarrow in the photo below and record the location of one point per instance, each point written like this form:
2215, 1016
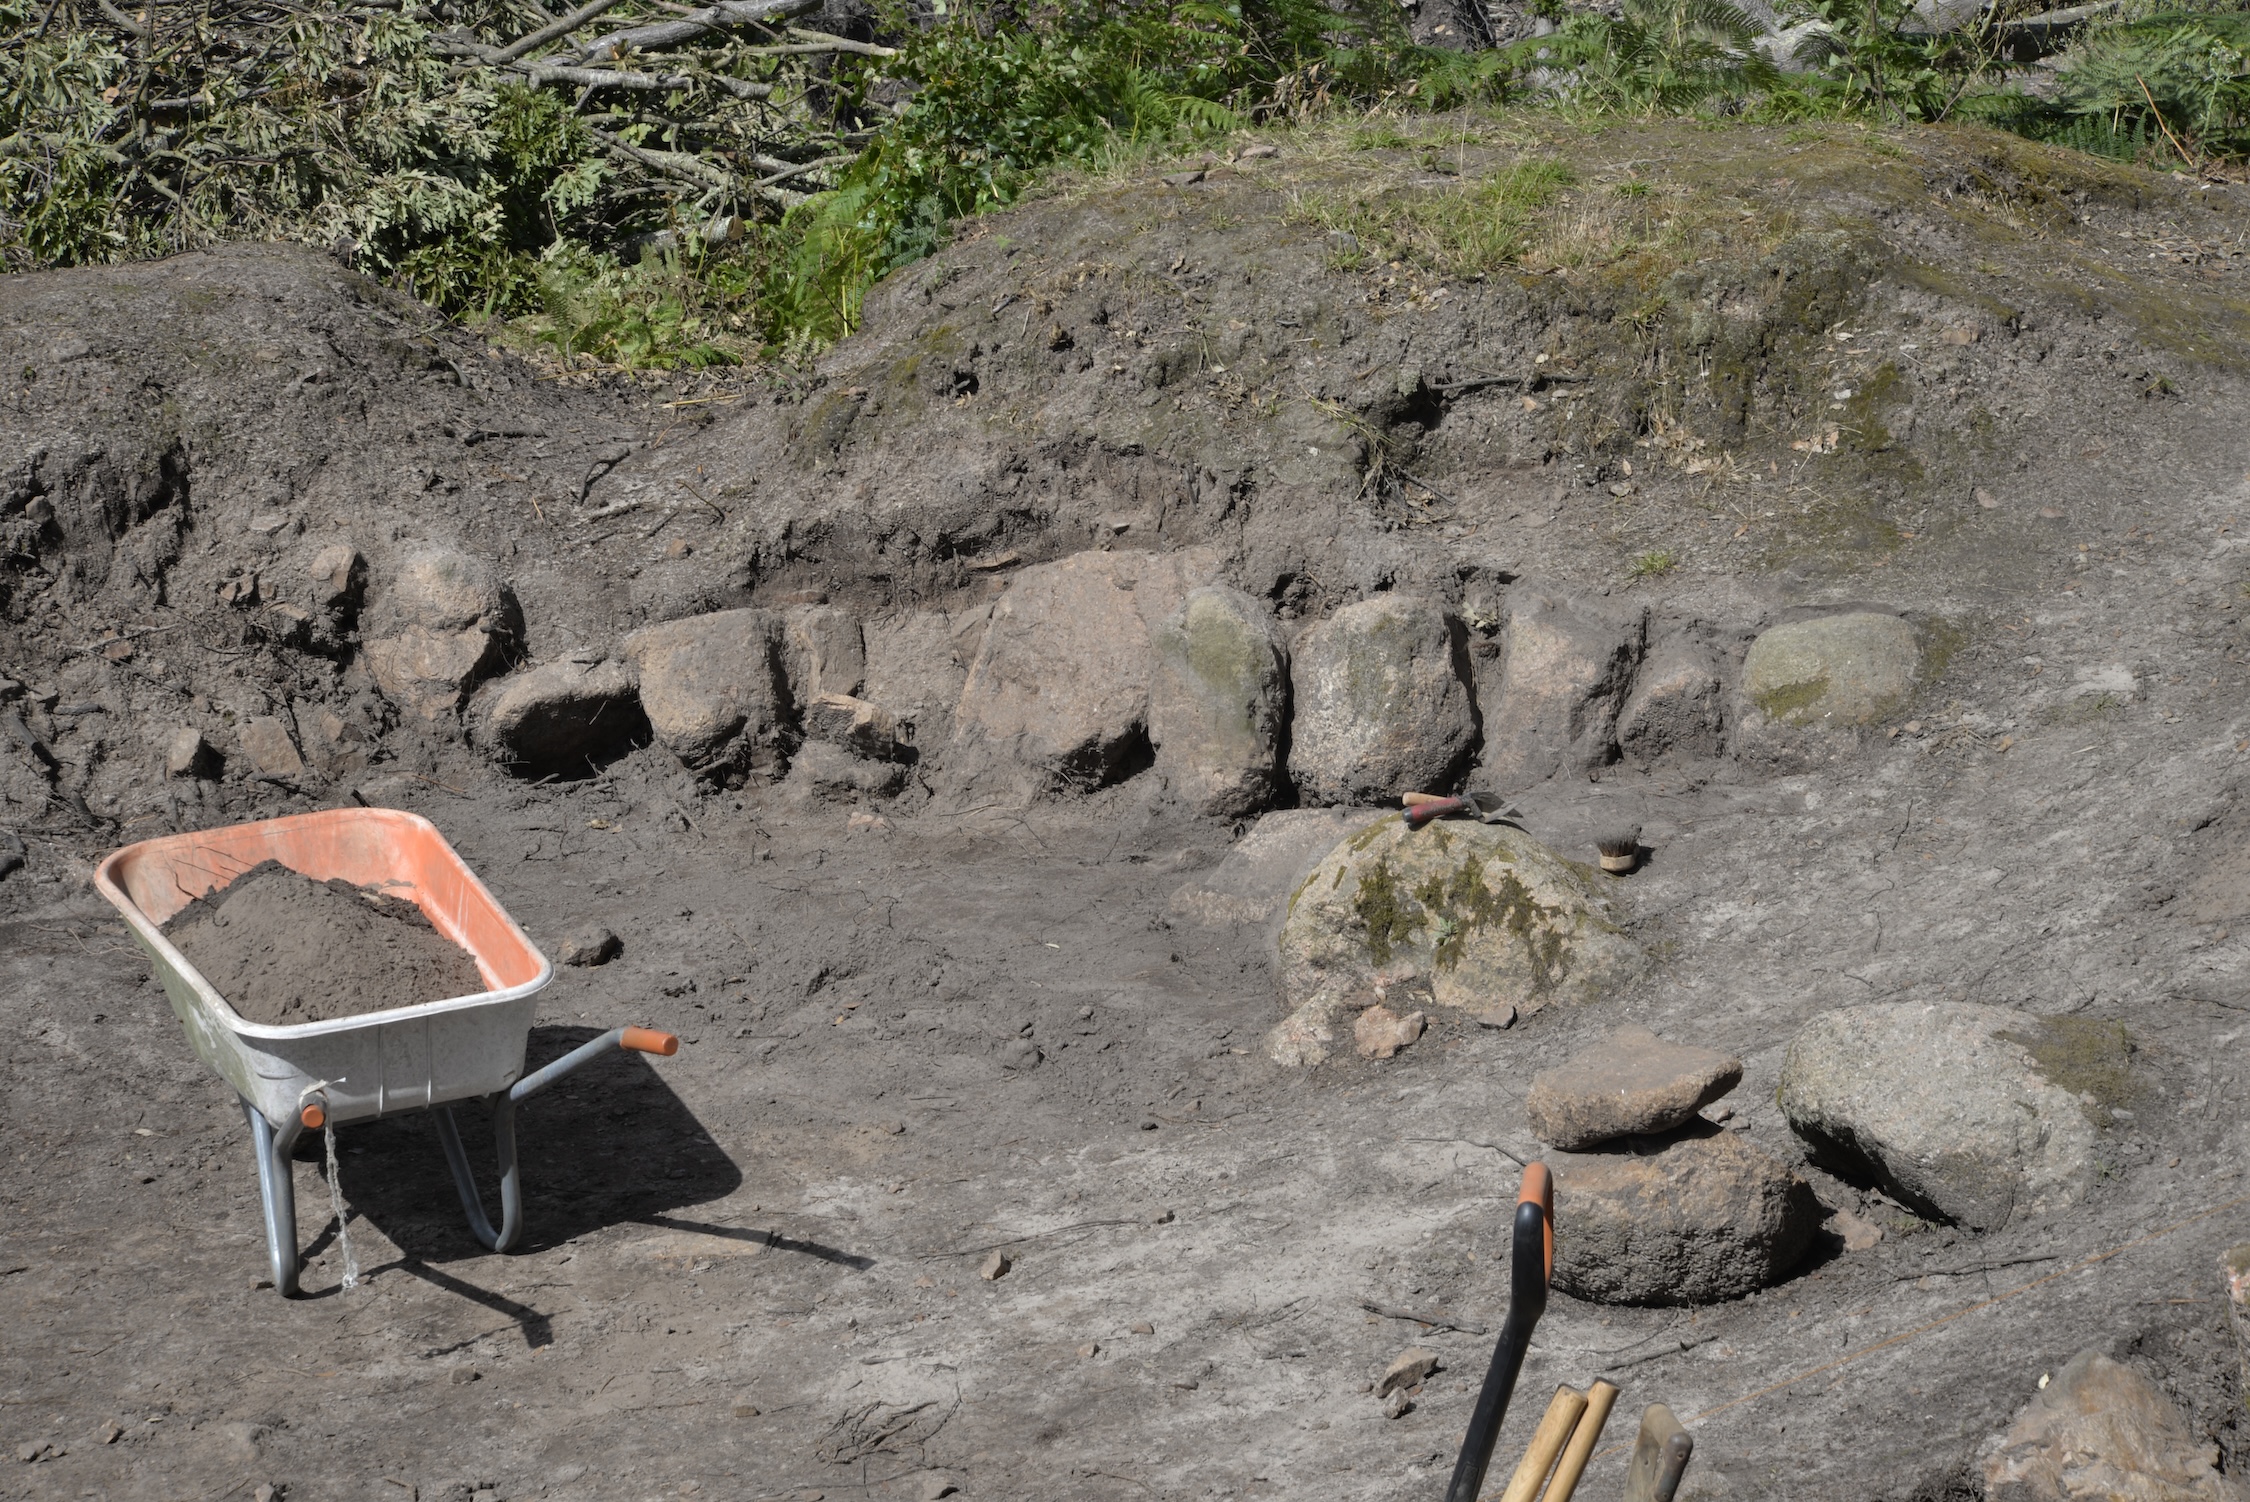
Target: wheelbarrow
379, 1063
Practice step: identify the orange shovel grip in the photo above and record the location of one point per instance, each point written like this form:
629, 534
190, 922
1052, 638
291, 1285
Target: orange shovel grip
314, 1115
1539, 1189
649, 1040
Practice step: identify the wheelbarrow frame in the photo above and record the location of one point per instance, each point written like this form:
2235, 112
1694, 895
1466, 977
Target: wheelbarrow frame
380, 1063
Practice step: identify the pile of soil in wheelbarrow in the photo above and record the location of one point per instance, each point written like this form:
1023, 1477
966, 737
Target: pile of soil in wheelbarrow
285, 949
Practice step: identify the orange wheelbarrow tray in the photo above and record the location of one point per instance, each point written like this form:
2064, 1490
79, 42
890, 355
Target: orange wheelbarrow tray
378, 1063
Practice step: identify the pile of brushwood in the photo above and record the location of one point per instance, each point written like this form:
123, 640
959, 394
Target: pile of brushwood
646, 183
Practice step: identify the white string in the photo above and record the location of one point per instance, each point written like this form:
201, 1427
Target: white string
336, 1203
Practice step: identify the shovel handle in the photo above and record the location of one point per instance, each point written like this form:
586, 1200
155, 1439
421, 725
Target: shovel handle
1531, 1263
1539, 1189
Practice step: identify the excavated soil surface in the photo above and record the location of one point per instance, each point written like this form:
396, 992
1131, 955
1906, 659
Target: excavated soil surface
1997, 388
285, 949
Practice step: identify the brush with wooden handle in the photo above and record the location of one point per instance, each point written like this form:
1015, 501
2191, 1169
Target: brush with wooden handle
1660, 1457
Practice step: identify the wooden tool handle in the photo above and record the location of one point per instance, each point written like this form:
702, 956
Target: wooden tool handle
1547, 1442
1600, 1398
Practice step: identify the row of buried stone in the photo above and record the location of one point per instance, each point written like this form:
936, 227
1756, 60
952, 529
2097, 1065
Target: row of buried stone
1089, 669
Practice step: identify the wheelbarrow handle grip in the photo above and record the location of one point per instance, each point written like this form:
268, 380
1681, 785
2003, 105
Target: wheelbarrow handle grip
649, 1040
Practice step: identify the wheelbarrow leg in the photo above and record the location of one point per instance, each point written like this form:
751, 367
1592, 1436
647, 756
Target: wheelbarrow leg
511, 1189
277, 1192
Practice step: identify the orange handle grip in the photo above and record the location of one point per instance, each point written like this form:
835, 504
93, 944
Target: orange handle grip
1416, 800
649, 1040
314, 1115
1539, 1189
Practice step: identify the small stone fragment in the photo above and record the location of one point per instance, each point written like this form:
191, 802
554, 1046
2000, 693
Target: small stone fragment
1380, 1032
934, 1487
271, 748
1090, 1350
995, 1267
1398, 1405
190, 755
1144, 1328
1021, 1053
1632, 1084
589, 946
745, 1411
1860, 1234
264, 1492
464, 1375
893, 1128
111, 1432
1159, 1217
1407, 1369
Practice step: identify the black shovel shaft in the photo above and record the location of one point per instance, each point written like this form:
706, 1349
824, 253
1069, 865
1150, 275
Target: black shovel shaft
1527, 1300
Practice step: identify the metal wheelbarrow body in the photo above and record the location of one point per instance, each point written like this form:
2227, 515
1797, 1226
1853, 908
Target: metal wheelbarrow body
378, 1063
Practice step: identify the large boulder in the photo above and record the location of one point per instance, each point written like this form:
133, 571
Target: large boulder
1220, 701
1382, 703
565, 716
1478, 916
1946, 1107
442, 624
2102, 1432
1564, 672
1632, 1083
1059, 689
1833, 670
711, 686
1677, 706
1712, 1216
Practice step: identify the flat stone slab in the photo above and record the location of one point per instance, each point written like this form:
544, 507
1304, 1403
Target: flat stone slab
1632, 1084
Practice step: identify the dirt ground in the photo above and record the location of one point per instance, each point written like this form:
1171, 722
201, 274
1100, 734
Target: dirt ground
752, 1270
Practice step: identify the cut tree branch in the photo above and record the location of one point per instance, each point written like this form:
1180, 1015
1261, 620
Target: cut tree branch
546, 34
725, 16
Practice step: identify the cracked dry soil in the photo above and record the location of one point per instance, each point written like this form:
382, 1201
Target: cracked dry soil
752, 1270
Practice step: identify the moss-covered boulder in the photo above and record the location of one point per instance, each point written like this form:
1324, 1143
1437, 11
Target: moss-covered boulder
1477, 916
1219, 701
1834, 670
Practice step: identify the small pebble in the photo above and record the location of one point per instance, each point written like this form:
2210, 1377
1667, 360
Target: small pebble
1090, 1350
1144, 1328
464, 1375
745, 1411
996, 1266
893, 1128
1398, 1405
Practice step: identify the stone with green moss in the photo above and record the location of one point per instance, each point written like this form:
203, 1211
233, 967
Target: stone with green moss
1975, 1115
1479, 916
1834, 670
1219, 701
